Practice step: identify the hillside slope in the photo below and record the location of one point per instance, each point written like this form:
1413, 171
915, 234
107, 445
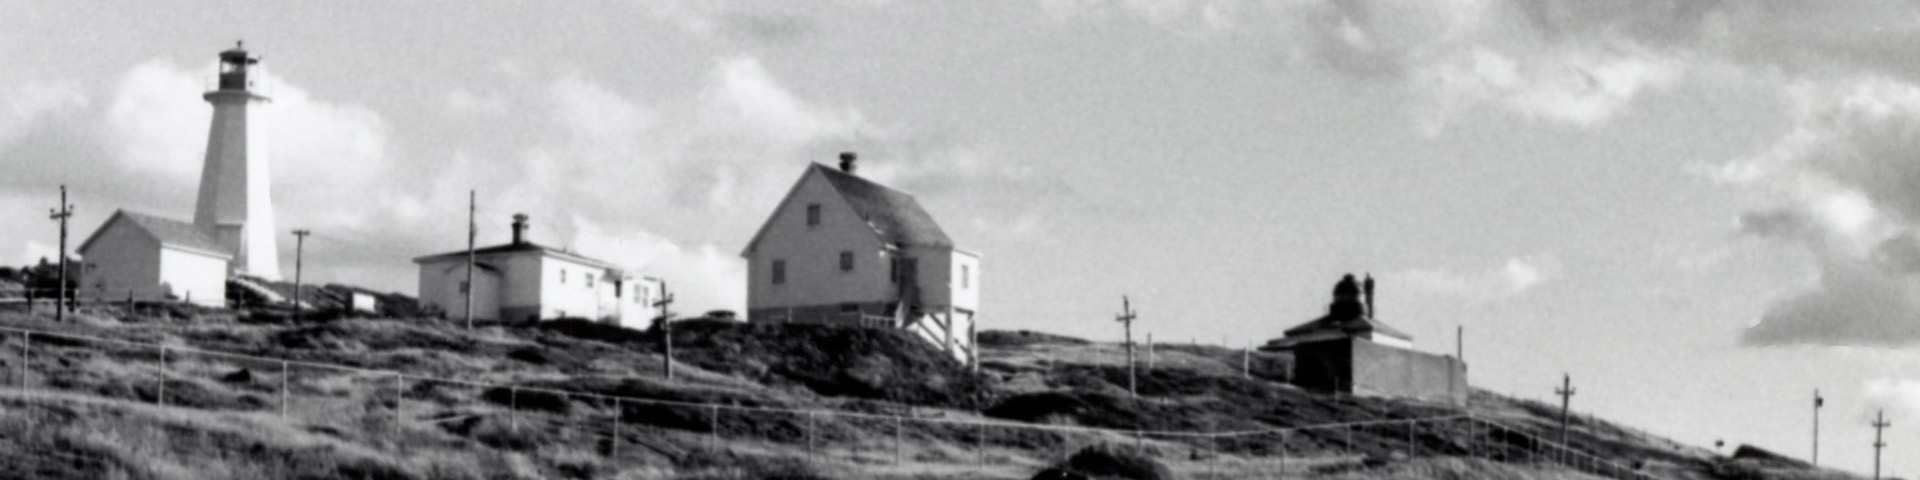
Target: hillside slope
574, 400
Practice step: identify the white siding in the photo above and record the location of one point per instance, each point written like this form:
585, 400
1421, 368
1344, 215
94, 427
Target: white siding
440, 287
122, 259
812, 253
194, 275
570, 295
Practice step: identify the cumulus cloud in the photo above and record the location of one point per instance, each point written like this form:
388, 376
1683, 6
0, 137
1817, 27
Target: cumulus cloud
1569, 62
30, 102
1900, 397
1514, 277
1844, 178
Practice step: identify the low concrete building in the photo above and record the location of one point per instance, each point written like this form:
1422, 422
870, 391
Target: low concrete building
150, 258
524, 283
841, 249
1348, 351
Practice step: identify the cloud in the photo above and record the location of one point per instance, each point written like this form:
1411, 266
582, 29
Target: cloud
33, 252
26, 105
1514, 277
1898, 396
1569, 62
1844, 177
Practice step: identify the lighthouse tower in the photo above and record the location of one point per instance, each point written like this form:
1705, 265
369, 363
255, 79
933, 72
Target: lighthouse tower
234, 206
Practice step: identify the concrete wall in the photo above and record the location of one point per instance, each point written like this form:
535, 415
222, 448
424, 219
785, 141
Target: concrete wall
194, 275
812, 254
1360, 367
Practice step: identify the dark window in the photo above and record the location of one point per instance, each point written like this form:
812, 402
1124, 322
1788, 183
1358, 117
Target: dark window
589, 280
463, 286
849, 307
846, 261
779, 272
893, 270
813, 214
966, 272
563, 275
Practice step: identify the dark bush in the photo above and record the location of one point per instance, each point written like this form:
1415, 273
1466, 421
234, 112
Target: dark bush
1108, 461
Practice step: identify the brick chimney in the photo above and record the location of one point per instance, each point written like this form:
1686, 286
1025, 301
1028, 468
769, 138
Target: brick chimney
519, 228
1367, 287
847, 160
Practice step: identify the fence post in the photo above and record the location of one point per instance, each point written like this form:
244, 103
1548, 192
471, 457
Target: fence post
26, 354
1411, 448
896, 439
980, 447
810, 429
283, 390
1283, 453
513, 409
713, 427
619, 411
1347, 447
399, 397
161, 398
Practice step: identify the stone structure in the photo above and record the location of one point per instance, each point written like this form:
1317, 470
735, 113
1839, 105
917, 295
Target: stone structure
1348, 351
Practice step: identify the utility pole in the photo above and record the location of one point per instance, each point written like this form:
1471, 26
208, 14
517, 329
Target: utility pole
65, 211
1566, 398
472, 231
299, 252
1879, 424
666, 327
1246, 361
1126, 321
1817, 403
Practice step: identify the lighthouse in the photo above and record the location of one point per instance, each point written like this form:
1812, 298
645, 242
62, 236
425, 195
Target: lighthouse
235, 207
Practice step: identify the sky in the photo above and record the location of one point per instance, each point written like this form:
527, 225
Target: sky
1701, 211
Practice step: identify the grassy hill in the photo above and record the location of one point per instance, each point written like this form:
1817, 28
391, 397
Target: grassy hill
539, 403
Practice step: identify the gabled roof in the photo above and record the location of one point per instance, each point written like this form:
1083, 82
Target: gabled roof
894, 215
1358, 324
524, 247
167, 231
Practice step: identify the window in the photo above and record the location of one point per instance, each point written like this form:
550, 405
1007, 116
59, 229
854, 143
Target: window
563, 276
893, 270
813, 214
849, 307
589, 280
966, 273
464, 286
779, 272
846, 261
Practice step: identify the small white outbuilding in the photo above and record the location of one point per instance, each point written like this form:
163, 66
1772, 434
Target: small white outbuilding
524, 283
153, 258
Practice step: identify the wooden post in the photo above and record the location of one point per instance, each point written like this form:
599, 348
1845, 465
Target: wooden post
619, 411
1126, 318
26, 355
161, 398
283, 390
713, 427
399, 397
1150, 356
513, 409
810, 429
896, 439
666, 327
60, 305
472, 231
980, 447
1283, 453
299, 254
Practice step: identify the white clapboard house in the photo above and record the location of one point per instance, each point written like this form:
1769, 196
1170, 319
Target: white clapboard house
840, 249
135, 255
525, 282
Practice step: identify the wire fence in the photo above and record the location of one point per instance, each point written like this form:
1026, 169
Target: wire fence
410, 406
